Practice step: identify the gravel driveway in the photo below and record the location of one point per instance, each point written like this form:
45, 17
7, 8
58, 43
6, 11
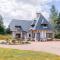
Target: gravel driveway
50, 47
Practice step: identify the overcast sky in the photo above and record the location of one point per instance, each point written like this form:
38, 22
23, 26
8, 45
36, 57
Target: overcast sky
25, 9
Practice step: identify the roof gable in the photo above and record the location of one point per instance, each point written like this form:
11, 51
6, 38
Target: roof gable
27, 24
42, 20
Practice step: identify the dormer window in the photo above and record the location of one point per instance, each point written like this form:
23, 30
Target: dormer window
44, 25
33, 25
18, 28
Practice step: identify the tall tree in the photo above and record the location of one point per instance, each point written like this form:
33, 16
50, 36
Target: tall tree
53, 16
57, 27
58, 24
8, 30
1, 21
2, 30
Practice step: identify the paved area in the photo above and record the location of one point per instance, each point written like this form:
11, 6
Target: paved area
50, 47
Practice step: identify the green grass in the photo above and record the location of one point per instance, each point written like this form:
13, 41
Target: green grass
13, 54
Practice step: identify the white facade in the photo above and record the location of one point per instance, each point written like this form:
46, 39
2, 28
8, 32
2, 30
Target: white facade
39, 29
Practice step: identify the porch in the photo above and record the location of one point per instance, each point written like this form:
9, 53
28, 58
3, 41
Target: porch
41, 35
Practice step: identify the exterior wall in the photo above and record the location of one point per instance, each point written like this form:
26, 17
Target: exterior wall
29, 37
23, 34
35, 35
13, 34
42, 34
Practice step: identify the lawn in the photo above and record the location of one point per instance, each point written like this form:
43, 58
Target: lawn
13, 54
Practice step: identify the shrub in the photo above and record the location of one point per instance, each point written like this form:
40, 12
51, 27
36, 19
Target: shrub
57, 36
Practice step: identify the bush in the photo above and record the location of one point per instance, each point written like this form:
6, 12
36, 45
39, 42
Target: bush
2, 30
57, 36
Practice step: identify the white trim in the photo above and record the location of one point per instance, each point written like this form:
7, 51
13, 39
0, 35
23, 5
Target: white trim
36, 22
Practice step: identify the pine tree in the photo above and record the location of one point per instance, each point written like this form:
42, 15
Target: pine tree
2, 30
8, 30
53, 16
58, 24
57, 27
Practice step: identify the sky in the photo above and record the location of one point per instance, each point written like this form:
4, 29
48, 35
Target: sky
25, 9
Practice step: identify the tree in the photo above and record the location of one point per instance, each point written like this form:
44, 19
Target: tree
2, 29
8, 31
58, 24
53, 16
57, 27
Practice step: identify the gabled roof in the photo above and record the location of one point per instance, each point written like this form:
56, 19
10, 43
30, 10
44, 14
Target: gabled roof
33, 22
39, 21
25, 24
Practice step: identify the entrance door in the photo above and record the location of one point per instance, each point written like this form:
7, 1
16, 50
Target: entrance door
18, 35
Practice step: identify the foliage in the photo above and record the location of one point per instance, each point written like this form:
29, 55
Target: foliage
8, 31
57, 36
1, 22
13, 54
2, 29
53, 16
58, 24
57, 27
55, 21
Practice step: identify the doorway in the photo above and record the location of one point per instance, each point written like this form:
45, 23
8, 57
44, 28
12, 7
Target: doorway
18, 35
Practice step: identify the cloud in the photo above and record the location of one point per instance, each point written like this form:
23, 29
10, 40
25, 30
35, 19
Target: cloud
35, 2
23, 9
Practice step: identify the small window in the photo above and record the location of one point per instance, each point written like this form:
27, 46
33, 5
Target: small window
44, 25
49, 35
29, 35
18, 26
33, 25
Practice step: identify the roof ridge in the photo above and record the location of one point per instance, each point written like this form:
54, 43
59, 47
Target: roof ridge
21, 20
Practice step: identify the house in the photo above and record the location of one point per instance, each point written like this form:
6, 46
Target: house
38, 29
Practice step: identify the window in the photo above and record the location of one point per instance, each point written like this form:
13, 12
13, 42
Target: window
33, 25
29, 35
18, 28
49, 35
44, 25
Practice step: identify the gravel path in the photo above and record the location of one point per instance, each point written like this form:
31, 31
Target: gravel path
50, 47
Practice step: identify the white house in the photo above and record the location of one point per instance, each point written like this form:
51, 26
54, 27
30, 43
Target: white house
38, 29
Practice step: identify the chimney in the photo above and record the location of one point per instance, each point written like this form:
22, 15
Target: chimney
38, 15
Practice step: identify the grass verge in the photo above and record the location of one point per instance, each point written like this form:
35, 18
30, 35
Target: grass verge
13, 54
